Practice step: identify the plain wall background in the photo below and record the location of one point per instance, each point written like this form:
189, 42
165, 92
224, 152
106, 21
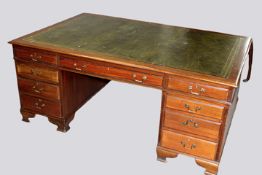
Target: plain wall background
116, 132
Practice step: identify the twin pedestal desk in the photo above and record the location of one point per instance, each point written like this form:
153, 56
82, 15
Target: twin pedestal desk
62, 66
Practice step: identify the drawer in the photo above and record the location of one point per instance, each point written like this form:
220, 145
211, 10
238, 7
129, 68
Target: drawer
37, 72
74, 64
41, 106
35, 55
115, 73
189, 145
136, 77
38, 88
192, 106
189, 123
197, 88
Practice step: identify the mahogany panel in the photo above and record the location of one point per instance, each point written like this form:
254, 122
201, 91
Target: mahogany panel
227, 123
189, 145
77, 89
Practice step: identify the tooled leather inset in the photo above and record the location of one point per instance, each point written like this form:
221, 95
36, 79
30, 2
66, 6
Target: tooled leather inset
162, 45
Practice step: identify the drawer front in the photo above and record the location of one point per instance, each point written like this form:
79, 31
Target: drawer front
136, 77
188, 145
41, 106
189, 123
115, 73
35, 55
74, 64
37, 72
199, 107
198, 89
39, 88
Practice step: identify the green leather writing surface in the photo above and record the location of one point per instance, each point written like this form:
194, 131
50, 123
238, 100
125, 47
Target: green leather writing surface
175, 47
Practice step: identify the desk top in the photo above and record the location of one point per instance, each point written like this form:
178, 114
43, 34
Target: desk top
151, 44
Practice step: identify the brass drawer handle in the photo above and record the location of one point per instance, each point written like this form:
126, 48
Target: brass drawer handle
190, 123
194, 110
37, 89
39, 57
144, 77
184, 144
39, 105
35, 57
78, 68
190, 88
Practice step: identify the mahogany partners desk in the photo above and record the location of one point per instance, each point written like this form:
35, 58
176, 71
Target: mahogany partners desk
60, 67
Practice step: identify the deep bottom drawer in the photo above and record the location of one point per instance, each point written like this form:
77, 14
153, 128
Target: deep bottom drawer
41, 106
188, 145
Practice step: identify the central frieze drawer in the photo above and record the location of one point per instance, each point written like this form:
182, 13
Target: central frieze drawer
136, 77
37, 72
112, 72
192, 106
191, 124
190, 145
38, 88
